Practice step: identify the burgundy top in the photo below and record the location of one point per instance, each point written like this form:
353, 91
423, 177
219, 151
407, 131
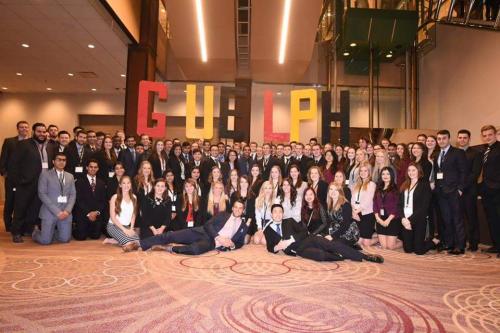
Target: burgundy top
328, 175
389, 202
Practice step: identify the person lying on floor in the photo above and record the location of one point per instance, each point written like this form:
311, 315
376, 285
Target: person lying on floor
294, 240
225, 232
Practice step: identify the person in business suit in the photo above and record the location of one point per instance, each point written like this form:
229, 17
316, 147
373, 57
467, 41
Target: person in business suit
90, 204
130, 158
209, 163
197, 161
318, 159
78, 154
286, 160
107, 160
414, 204
245, 161
319, 186
294, 240
468, 199
30, 158
186, 153
8, 148
490, 186
449, 177
225, 231
301, 160
267, 161
63, 141
56, 189
158, 159
178, 166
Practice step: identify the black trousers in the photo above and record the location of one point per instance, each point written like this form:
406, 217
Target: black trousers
195, 241
434, 218
454, 231
83, 228
468, 204
8, 208
414, 240
491, 204
321, 249
26, 208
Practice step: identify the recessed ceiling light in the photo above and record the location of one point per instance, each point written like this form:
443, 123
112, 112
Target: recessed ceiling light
49, 89
91, 46
123, 75
71, 74
19, 74
346, 53
5, 88
353, 45
93, 89
25, 45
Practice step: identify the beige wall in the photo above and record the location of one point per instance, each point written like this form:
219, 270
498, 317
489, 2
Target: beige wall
460, 81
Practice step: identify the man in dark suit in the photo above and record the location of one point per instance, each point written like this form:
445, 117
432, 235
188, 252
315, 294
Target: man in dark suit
286, 160
267, 161
78, 154
197, 160
450, 166
225, 231
302, 161
129, 157
490, 186
63, 142
468, 199
209, 163
318, 159
30, 158
8, 148
90, 204
245, 161
186, 153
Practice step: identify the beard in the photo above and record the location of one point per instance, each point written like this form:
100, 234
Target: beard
38, 139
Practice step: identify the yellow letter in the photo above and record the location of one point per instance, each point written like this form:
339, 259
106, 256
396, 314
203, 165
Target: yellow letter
207, 132
297, 114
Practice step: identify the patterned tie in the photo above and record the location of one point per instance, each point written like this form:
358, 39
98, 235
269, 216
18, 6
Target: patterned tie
92, 184
278, 229
485, 156
441, 158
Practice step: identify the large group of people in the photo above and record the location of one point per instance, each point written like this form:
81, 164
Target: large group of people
323, 202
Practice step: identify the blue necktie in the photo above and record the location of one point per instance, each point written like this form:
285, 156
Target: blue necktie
278, 229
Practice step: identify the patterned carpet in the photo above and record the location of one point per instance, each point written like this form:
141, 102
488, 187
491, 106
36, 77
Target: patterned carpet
89, 287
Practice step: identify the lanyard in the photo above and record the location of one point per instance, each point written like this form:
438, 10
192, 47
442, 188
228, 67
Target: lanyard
40, 150
412, 189
359, 194
310, 217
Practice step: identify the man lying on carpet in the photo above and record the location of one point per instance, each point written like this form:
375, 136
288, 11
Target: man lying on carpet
294, 239
225, 231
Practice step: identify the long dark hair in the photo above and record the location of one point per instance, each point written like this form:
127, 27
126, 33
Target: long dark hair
407, 182
119, 196
151, 194
392, 185
425, 151
250, 193
293, 192
304, 214
299, 178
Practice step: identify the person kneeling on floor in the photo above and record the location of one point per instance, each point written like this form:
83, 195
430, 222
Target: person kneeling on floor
225, 232
294, 240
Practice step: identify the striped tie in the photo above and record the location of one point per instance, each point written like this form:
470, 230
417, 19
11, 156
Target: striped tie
485, 156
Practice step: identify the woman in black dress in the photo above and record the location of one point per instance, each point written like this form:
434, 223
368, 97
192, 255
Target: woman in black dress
255, 179
177, 165
155, 209
106, 158
342, 227
158, 159
190, 214
245, 194
313, 214
315, 181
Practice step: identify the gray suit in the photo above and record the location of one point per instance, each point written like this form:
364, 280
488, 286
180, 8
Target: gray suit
49, 190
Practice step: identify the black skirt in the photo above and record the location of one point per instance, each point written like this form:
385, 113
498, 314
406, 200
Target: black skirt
393, 229
367, 226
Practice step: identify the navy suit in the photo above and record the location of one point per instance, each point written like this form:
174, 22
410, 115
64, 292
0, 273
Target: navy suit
130, 163
197, 240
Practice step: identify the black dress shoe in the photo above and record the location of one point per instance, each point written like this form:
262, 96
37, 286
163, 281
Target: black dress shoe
17, 239
456, 252
491, 249
374, 258
442, 247
472, 248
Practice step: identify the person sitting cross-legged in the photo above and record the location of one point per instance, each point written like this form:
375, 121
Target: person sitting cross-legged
225, 231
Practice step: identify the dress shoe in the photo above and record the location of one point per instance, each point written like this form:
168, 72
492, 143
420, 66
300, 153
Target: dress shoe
17, 239
130, 246
374, 258
456, 252
491, 249
472, 248
442, 247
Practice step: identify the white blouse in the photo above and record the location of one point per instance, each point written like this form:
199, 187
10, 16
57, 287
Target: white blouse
127, 210
262, 215
289, 211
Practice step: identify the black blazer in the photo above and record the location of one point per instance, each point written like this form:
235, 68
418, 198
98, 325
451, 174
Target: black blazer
86, 200
26, 162
454, 170
206, 168
426, 168
8, 148
322, 192
289, 228
130, 165
473, 168
265, 170
111, 187
304, 164
321, 163
174, 164
244, 165
73, 159
285, 167
155, 215
156, 164
421, 200
491, 169
216, 223
180, 221
105, 165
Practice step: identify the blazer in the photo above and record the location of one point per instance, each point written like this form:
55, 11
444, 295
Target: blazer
49, 189
244, 165
155, 215
105, 165
156, 164
127, 159
73, 159
453, 168
175, 165
321, 163
206, 168
8, 148
88, 201
421, 201
285, 167
266, 169
216, 223
491, 169
322, 192
289, 228
473, 168
27, 164
304, 164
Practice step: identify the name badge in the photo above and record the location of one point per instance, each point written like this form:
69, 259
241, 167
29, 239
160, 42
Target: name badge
111, 174
408, 211
190, 224
45, 165
173, 208
62, 199
382, 212
78, 169
439, 175
347, 181
14, 189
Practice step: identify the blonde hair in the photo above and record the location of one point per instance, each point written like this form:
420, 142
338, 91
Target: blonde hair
360, 184
340, 201
195, 199
376, 168
261, 198
222, 202
309, 180
140, 180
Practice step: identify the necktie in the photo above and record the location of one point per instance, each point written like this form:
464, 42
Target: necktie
61, 179
133, 155
441, 158
485, 156
278, 229
92, 184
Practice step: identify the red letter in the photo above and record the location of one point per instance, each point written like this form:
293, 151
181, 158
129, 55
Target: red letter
269, 135
145, 87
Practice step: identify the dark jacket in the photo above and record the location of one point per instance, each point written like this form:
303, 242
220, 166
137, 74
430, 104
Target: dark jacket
8, 148
491, 169
127, 158
453, 168
421, 201
216, 223
289, 228
88, 201
27, 163
75, 160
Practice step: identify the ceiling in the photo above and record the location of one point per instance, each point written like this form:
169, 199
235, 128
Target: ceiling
58, 32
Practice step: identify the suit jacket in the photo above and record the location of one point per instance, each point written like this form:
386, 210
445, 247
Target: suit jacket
175, 165
491, 169
244, 165
421, 200
73, 159
285, 167
216, 223
304, 164
266, 169
473, 168
105, 165
49, 189
27, 163
130, 165
206, 168
289, 228
156, 164
453, 168
8, 148
88, 201
321, 163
